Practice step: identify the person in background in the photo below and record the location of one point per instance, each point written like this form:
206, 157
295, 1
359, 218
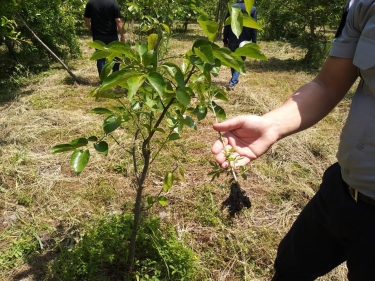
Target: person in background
338, 223
103, 19
231, 41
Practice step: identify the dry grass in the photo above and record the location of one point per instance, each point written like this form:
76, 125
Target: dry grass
42, 199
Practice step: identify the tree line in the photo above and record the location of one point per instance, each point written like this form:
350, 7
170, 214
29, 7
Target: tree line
58, 23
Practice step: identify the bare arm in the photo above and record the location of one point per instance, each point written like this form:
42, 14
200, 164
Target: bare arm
120, 27
313, 101
251, 136
88, 23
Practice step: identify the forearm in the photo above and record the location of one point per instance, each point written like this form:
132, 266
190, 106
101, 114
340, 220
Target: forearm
120, 28
313, 101
88, 23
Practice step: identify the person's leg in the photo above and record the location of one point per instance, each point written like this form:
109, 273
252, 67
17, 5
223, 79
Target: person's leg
235, 74
234, 79
358, 227
100, 64
313, 247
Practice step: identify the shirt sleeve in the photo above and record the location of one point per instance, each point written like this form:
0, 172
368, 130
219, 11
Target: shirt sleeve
117, 12
360, 21
87, 11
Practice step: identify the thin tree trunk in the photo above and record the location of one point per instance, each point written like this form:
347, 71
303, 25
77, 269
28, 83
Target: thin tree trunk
221, 11
11, 51
50, 51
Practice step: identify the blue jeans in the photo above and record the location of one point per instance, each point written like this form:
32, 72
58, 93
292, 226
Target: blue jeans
331, 229
101, 62
235, 74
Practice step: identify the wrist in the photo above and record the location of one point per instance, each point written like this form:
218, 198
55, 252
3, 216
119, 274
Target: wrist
274, 126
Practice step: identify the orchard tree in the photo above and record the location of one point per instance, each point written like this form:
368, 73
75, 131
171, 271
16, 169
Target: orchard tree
170, 13
159, 100
301, 22
53, 21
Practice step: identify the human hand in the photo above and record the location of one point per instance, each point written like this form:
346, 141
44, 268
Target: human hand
226, 45
250, 136
122, 38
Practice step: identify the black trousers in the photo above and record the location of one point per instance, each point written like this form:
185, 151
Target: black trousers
331, 229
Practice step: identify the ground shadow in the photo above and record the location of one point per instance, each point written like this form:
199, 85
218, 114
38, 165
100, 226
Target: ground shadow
81, 80
10, 93
275, 64
236, 201
188, 37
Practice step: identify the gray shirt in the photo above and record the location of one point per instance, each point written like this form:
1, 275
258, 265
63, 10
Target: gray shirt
356, 152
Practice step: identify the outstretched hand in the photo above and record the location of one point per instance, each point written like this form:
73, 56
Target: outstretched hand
250, 136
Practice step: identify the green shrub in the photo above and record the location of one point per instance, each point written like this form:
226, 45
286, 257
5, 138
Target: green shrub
102, 253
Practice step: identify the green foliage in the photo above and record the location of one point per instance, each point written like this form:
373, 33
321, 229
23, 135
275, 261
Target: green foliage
21, 246
101, 254
301, 22
167, 12
54, 22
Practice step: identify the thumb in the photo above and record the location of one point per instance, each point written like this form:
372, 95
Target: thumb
230, 124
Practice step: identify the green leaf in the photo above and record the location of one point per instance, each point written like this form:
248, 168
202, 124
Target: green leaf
237, 21
61, 148
231, 60
111, 123
93, 138
99, 54
97, 45
200, 111
188, 121
150, 58
219, 111
183, 97
79, 160
248, 21
79, 142
113, 80
134, 83
152, 41
101, 110
210, 28
122, 48
205, 54
141, 48
106, 70
156, 80
250, 50
159, 130
168, 181
248, 5
175, 72
101, 147
166, 28
162, 201
174, 136
220, 95
150, 200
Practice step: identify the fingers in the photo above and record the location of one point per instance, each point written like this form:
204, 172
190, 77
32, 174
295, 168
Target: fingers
221, 158
230, 124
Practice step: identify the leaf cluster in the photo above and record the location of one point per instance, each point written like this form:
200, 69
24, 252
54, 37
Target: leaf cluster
158, 98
